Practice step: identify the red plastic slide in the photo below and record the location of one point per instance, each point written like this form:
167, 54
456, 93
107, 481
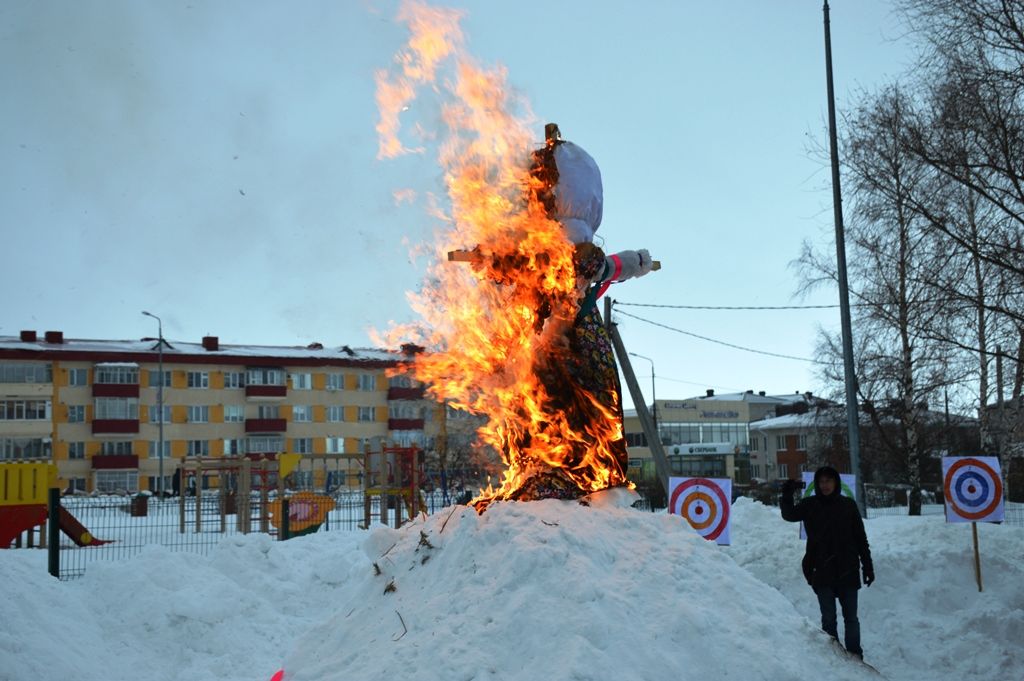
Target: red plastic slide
18, 518
70, 526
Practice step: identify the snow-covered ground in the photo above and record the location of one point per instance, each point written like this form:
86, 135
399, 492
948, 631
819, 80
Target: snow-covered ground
548, 589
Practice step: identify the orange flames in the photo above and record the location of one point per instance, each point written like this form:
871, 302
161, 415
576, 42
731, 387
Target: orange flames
495, 329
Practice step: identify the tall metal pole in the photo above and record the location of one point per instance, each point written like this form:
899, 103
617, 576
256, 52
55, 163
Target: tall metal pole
852, 420
160, 401
646, 422
654, 395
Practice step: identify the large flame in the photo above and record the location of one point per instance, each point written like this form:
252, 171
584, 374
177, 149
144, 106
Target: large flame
495, 328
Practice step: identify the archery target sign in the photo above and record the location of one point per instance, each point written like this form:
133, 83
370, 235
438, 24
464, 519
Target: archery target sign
973, 489
847, 487
705, 503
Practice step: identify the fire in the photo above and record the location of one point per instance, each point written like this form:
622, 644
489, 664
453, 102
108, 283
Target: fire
496, 329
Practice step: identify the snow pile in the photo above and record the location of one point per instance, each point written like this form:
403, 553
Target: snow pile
546, 589
554, 589
923, 618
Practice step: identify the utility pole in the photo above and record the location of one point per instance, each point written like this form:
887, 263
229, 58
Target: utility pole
852, 412
646, 422
654, 395
160, 401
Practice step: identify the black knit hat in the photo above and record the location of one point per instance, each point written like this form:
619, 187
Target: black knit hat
825, 471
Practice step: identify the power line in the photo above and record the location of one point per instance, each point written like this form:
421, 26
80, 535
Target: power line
738, 307
713, 340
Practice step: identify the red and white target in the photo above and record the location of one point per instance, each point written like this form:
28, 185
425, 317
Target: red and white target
705, 503
973, 489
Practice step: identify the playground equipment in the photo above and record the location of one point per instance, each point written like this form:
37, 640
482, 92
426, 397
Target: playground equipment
393, 476
23, 492
242, 482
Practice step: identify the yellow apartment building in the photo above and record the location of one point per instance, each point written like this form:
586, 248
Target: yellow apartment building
93, 406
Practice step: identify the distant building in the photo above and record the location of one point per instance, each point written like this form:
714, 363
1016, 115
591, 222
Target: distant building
91, 406
711, 435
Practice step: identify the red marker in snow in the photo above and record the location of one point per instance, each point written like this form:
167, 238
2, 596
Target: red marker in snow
278, 675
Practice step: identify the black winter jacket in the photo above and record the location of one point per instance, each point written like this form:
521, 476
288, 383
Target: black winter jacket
836, 542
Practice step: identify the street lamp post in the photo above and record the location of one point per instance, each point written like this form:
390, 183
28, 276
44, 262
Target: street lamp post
654, 395
160, 401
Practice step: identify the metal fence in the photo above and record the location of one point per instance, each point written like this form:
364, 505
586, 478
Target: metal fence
128, 523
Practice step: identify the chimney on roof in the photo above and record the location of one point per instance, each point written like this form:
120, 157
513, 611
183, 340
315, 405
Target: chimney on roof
211, 343
750, 392
55, 337
28, 336
761, 393
711, 392
412, 349
315, 346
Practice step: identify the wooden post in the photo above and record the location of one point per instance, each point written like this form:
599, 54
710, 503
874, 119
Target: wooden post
244, 507
264, 499
977, 555
182, 486
199, 496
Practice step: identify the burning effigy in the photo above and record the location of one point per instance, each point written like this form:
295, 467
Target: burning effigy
514, 334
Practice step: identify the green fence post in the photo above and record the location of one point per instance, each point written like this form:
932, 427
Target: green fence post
53, 531
285, 524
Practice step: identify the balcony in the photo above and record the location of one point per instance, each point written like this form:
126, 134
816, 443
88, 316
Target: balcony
115, 390
114, 461
405, 424
266, 392
115, 426
265, 425
406, 393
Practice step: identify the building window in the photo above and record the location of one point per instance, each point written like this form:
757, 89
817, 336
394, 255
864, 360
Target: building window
302, 445
780, 442
76, 485
636, 440
755, 470
234, 380
803, 443
117, 408
24, 410
154, 379
116, 448
76, 413
402, 381
78, 376
25, 448
198, 447
117, 481
407, 438
367, 413
264, 377
116, 374
21, 372
234, 447
335, 413
198, 379
367, 382
335, 445
234, 413
753, 445
198, 414
783, 471
302, 413
335, 381
404, 411
154, 449
264, 444
76, 450
154, 414
267, 411
302, 381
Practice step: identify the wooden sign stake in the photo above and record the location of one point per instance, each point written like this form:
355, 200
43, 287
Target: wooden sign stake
977, 556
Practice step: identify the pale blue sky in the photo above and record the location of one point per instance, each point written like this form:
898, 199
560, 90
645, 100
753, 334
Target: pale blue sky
215, 163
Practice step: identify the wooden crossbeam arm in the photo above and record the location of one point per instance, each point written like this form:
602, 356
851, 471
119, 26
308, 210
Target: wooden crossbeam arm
474, 256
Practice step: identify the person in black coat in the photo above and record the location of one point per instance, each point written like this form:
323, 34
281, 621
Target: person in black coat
837, 549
